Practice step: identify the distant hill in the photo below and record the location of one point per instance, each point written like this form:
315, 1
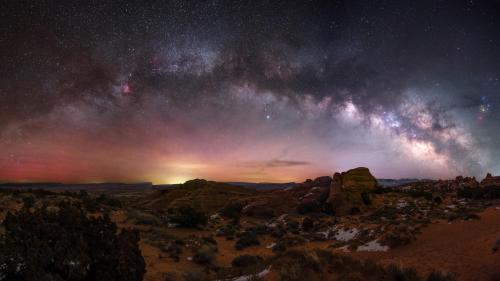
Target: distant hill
396, 182
201, 194
264, 185
78, 186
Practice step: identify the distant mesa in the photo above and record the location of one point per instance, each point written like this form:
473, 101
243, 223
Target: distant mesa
207, 196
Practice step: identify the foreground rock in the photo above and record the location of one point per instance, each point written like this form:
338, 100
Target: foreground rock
349, 190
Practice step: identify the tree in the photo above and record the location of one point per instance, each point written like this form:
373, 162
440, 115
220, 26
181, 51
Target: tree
67, 245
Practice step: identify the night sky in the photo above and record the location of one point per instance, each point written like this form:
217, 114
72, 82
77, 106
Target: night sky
166, 91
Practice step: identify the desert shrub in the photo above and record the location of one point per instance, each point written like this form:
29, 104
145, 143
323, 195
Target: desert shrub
471, 216
108, 201
488, 192
246, 260
232, 211
205, 254
90, 203
295, 265
438, 200
187, 216
195, 275
365, 196
308, 207
398, 236
174, 250
279, 247
278, 232
381, 190
144, 218
228, 231
292, 225
260, 211
83, 193
209, 240
496, 246
441, 276
398, 273
28, 202
387, 212
259, 229
420, 193
470, 193
247, 239
307, 224
67, 245
170, 276
354, 210
492, 192
319, 264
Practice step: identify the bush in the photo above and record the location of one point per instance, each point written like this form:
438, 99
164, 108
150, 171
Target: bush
496, 246
67, 245
187, 216
308, 207
28, 202
232, 211
365, 196
354, 211
195, 275
260, 211
296, 265
205, 254
397, 273
398, 236
316, 265
307, 224
174, 250
246, 260
288, 241
83, 193
247, 239
441, 276
109, 201
420, 193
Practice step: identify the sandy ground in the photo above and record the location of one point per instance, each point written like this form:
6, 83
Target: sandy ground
462, 247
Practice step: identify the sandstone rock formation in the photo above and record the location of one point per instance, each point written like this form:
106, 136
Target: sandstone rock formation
467, 182
347, 188
490, 181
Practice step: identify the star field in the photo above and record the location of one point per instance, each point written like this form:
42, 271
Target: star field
165, 91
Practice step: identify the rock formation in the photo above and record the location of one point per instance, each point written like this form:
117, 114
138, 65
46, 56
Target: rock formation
347, 188
490, 181
467, 182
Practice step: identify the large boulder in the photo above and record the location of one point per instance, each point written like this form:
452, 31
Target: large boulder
347, 189
359, 179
